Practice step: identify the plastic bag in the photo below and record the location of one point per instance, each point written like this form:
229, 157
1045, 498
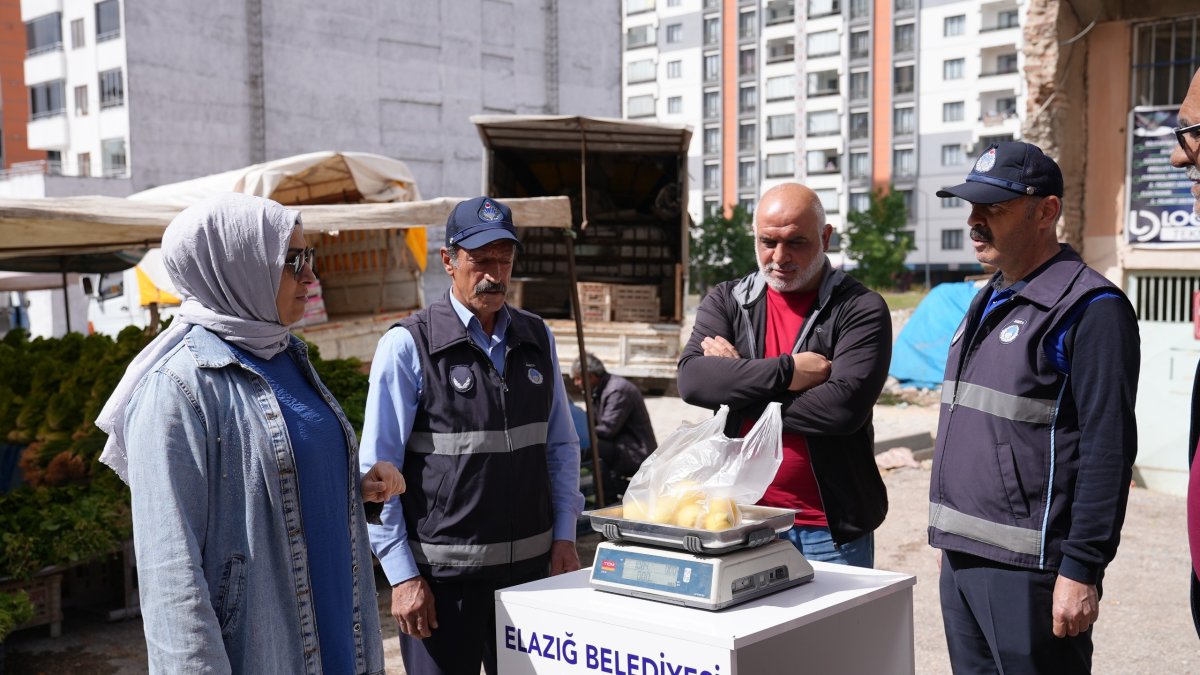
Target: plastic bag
698, 475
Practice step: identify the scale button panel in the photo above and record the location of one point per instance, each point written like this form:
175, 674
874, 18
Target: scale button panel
759, 579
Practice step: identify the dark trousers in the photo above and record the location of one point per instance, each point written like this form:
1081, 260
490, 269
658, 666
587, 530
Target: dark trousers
466, 634
999, 619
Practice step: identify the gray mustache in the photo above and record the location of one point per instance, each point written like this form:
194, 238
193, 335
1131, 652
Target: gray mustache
490, 287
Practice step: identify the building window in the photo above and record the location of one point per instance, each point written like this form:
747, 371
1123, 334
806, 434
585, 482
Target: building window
902, 82
640, 71
748, 174
712, 140
860, 126
78, 38
46, 99
674, 70
781, 126
113, 157
860, 166
952, 240
823, 7
638, 6
860, 44
674, 33
639, 36
953, 155
905, 5
748, 99
84, 162
747, 62
823, 83
952, 69
710, 207
903, 121
904, 163
910, 206
712, 104
823, 123
860, 9
747, 137
112, 89
674, 105
712, 176
781, 49
781, 87
954, 25
860, 202
747, 203
1006, 63
781, 165
951, 202
712, 67
822, 161
43, 34
829, 199
1164, 59
780, 11
952, 111
712, 31
81, 100
904, 38
640, 106
860, 86
747, 25
1007, 19
823, 43
108, 21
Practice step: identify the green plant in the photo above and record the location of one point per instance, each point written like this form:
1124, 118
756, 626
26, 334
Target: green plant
721, 248
878, 240
15, 609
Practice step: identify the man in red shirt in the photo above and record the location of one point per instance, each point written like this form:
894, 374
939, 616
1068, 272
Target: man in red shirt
802, 333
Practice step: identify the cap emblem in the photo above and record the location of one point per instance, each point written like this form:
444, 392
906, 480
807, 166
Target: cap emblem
489, 213
986, 161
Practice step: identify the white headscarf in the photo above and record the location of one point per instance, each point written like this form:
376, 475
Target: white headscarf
225, 256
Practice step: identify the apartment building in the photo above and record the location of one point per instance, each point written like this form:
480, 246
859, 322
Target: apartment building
147, 93
843, 95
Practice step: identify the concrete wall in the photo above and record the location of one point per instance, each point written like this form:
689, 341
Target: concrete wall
398, 79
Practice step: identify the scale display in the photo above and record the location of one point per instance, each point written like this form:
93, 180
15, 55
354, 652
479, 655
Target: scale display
635, 569
657, 574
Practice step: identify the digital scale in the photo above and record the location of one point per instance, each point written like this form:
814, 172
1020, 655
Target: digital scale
697, 568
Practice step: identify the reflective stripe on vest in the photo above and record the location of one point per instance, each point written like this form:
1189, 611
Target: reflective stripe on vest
480, 555
1007, 537
475, 442
998, 403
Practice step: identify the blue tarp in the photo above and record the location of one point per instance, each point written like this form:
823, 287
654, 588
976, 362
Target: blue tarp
919, 353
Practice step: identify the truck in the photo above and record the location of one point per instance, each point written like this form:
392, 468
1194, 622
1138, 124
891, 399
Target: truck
628, 186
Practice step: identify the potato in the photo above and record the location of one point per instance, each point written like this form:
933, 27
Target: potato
720, 514
632, 510
688, 514
663, 509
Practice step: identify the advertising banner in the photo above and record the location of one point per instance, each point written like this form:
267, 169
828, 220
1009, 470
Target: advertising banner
1161, 203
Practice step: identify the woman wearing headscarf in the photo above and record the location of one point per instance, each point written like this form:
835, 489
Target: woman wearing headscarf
248, 521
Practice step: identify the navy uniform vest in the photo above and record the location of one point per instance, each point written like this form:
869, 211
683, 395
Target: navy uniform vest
1007, 452
478, 502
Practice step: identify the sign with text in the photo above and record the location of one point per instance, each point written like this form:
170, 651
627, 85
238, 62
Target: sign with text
1160, 195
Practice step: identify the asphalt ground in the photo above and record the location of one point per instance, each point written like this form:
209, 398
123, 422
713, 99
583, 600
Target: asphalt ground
1144, 626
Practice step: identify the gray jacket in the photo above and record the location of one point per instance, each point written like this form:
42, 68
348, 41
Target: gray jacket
222, 558
622, 419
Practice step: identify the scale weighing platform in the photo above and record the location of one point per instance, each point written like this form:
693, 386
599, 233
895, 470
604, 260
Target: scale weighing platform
697, 568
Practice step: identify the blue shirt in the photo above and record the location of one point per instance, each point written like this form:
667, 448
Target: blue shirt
319, 447
392, 402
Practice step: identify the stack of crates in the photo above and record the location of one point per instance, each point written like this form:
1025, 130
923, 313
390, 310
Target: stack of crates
637, 303
595, 301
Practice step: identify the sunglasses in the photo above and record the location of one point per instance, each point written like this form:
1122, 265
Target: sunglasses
297, 261
1182, 134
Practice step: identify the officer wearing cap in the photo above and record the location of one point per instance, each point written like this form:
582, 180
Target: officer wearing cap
467, 397
1037, 437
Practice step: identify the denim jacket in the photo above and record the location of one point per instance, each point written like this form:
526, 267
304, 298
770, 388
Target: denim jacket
221, 553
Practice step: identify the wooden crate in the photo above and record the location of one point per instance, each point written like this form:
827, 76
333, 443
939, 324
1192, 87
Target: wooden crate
645, 311
45, 592
622, 293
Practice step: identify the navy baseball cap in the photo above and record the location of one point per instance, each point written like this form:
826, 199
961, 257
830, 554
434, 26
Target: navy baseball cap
1006, 171
479, 222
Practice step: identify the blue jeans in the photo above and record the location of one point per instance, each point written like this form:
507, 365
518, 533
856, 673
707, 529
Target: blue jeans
816, 543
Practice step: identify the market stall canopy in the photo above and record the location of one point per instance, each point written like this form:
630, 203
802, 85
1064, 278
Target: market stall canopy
19, 281
312, 178
86, 225
599, 134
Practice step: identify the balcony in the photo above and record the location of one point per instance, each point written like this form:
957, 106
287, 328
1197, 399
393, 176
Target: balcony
46, 67
49, 132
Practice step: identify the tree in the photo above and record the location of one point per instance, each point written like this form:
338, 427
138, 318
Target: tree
721, 248
878, 240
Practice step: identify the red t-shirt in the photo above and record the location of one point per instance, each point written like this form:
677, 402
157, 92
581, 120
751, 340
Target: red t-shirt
795, 484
